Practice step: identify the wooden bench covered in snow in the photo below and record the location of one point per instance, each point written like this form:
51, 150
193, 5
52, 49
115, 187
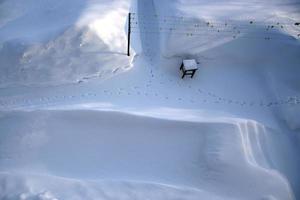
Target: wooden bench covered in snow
188, 67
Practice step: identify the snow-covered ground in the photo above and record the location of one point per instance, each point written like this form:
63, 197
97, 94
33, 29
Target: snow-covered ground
78, 39
81, 120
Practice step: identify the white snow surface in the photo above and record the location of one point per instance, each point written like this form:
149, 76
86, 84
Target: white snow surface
88, 145
81, 120
55, 42
207, 24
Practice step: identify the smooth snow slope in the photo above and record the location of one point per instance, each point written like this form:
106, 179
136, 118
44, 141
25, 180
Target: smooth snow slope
223, 159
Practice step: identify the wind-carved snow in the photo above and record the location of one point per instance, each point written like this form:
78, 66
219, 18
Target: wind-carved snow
215, 157
84, 40
144, 133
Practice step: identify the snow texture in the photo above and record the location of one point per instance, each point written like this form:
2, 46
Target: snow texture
79, 119
55, 42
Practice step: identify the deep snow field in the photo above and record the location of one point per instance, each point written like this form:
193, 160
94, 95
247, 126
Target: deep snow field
79, 119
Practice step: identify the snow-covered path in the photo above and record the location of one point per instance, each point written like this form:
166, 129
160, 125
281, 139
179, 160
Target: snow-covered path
150, 42
156, 80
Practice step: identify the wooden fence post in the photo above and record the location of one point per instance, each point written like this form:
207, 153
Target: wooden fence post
129, 34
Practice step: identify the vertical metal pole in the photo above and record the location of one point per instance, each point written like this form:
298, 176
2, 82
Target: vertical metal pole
129, 34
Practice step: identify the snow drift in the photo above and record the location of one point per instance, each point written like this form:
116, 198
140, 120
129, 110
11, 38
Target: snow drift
53, 42
214, 158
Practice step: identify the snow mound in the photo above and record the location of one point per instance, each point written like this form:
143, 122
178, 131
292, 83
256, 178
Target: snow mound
54, 42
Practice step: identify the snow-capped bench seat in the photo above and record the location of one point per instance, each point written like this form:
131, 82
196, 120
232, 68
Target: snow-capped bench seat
188, 67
